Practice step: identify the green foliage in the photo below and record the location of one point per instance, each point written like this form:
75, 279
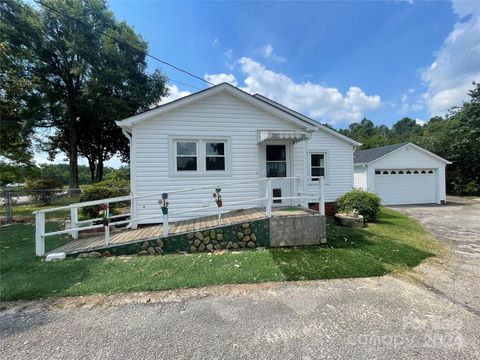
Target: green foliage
11, 173
61, 173
44, 190
366, 203
103, 190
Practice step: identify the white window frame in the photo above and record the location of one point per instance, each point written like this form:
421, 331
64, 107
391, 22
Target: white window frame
176, 156
201, 156
326, 171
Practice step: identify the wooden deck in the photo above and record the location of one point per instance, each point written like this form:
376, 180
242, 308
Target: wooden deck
147, 232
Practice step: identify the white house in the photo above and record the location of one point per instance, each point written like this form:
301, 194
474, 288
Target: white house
223, 135
401, 174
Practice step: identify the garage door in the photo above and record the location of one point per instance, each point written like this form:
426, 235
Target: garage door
405, 186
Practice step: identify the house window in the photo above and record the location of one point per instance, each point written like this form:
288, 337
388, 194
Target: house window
186, 155
317, 166
276, 160
215, 156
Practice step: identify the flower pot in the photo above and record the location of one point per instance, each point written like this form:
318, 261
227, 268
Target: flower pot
164, 210
220, 203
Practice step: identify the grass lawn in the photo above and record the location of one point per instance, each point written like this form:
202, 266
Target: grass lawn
395, 244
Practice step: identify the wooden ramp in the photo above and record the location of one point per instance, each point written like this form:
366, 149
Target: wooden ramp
148, 232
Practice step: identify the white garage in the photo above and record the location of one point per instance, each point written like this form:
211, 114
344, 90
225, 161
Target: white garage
401, 174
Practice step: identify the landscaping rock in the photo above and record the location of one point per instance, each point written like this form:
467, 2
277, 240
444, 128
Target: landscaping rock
206, 240
190, 236
201, 247
235, 246
159, 250
240, 235
106, 254
213, 235
82, 256
217, 247
199, 235
151, 251
219, 237
142, 253
253, 237
246, 238
193, 248
247, 231
245, 225
94, 254
145, 245
210, 247
229, 245
349, 221
197, 242
251, 244
206, 233
160, 243
242, 245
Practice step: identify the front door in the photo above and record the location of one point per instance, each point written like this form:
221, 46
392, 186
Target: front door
277, 166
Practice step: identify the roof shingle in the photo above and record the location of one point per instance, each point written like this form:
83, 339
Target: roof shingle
366, 156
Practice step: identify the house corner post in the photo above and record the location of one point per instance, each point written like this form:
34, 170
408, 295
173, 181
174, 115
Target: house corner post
321, 200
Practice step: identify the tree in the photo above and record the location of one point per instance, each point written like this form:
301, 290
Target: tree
406, 130
86, 80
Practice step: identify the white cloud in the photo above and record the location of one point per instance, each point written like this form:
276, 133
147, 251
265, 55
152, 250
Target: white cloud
174, 93
420, 122
323, 103
215, 42
457, 64
220, 78
267, 52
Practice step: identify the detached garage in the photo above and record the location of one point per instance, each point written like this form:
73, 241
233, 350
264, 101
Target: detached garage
401, 174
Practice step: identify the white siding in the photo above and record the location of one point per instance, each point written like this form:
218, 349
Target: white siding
360, 177
339, 163
221, 115
224, 115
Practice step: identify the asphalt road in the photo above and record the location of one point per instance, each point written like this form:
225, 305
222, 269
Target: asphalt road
370, 318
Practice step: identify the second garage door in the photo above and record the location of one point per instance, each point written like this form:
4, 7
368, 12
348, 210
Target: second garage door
405, 186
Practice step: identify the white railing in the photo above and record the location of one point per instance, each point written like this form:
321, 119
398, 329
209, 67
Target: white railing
77, 226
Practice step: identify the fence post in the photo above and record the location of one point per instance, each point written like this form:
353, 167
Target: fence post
39, 232
106, 225
8, 206
321, 199
133, 211
74, 222
165, 225
268, 209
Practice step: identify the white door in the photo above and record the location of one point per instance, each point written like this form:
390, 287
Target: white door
405, 186
277, 165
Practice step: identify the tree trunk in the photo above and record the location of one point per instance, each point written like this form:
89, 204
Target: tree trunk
91, 167
73, 158
99, 173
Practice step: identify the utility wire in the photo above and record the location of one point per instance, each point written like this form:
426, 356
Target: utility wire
126, 44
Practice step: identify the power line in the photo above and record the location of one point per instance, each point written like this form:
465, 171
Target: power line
126, 44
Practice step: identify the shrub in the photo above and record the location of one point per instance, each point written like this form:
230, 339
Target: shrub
366, 203
44, 190
103, 190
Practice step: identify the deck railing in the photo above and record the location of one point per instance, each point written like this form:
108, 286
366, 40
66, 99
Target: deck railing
77, 226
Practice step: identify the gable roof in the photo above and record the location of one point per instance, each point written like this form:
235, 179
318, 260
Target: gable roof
370, 155
256, 100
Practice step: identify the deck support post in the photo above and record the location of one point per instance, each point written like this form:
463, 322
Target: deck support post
107, 234
321, 195
165, 225
39, 232
268, 195
74, 222
219, 215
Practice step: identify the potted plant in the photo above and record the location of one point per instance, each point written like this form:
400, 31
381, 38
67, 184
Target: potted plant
218, 197
164, 203
104, 213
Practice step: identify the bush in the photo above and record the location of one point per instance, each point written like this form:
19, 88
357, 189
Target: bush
103, 190
366, 203
44, 190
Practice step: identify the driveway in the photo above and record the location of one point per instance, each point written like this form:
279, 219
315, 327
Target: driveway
385, 317
457, 224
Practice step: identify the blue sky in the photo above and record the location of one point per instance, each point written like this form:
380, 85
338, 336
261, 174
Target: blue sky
334, 61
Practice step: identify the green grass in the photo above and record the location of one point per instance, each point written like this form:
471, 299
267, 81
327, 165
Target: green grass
396, 244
